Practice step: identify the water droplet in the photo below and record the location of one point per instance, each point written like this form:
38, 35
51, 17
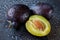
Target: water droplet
16, 37
13, 37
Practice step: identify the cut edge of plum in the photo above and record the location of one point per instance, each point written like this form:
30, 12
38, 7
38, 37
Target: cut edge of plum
38, 25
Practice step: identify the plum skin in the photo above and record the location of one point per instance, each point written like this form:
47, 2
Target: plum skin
18, 13
35, 32
43, 9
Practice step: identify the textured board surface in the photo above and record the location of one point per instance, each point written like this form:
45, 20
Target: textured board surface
22, 34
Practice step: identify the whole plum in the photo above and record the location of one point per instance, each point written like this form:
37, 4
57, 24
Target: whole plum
43, 9
18, 13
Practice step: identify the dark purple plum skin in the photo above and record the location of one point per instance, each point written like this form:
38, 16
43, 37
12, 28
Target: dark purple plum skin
43, 9
16, 25
18, 13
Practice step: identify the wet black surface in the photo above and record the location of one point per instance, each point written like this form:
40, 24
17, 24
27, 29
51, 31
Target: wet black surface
10, 34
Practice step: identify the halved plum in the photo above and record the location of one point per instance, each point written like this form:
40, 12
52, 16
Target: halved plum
38, 25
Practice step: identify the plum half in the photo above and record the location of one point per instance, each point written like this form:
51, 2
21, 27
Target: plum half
43, 9
38, 26
18, 13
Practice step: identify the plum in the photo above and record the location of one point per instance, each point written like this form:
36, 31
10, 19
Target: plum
43, 9
18, 13
38, 25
